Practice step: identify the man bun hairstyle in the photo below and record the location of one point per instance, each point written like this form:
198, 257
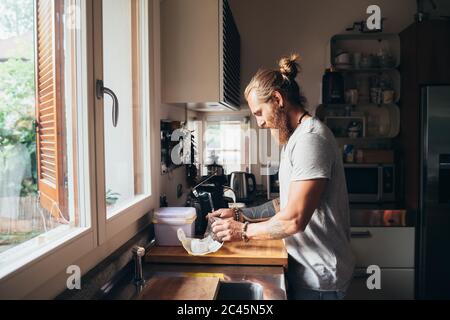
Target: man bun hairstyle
265, 82
289, 66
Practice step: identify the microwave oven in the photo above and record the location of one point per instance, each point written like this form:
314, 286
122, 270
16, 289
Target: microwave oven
370, 183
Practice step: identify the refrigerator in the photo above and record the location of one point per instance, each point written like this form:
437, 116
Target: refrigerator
433, 242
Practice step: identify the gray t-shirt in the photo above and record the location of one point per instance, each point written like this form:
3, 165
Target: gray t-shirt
320, 257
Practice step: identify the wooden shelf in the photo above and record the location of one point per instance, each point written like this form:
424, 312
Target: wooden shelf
365, 43
341, 123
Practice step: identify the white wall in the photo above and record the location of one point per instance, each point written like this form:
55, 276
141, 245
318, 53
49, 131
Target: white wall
270, 29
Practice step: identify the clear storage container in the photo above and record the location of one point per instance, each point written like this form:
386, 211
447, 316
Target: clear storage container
167, 221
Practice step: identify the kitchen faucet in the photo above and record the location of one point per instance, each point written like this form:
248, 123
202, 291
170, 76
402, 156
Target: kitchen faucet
204, 193
138, 253
194, 189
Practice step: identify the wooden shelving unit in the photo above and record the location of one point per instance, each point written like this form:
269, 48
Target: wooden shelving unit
361, 78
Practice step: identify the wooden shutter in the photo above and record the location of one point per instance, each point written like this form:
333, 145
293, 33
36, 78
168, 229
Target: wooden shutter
49, 103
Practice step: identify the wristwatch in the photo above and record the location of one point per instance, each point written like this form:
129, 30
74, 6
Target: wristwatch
244, 232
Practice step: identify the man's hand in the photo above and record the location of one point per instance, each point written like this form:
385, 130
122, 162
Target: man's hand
222, 213
228, 230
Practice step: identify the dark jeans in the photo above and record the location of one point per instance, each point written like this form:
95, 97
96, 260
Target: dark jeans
295, 291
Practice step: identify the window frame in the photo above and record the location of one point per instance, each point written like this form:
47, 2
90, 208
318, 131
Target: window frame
72, 245
245, 155
86, 248
142, 205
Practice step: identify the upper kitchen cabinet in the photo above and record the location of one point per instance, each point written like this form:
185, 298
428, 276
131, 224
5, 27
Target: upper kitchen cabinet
200, 55
425, 53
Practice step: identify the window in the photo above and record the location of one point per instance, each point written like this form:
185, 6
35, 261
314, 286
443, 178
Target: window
44, 192
126, 145
123, 172
227, 143
75, 184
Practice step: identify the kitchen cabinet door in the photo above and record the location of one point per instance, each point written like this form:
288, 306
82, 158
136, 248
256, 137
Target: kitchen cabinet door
195, 34
396, 284
433, 50
388, 247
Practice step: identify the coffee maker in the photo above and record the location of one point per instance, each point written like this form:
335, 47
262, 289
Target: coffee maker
206, 197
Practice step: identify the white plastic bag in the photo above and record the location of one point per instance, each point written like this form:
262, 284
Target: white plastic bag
199, 247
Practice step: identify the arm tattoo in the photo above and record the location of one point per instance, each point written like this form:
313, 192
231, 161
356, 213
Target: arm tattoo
260, 213
275, 230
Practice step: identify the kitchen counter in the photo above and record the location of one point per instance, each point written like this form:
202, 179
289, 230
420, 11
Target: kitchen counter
254, 252
380, 216
271, 279
366, 214
252, 270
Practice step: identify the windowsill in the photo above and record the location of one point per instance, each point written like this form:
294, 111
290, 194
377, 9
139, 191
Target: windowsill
116, 212
27, 252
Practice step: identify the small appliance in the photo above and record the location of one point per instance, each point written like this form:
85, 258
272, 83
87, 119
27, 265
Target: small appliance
244, 186
370, 183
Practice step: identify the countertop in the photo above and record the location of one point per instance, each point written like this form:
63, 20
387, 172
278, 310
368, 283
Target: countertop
242, 265
271, 279
254, 252
370, 216
367, 214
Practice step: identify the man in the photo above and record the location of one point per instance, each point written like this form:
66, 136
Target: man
312, 214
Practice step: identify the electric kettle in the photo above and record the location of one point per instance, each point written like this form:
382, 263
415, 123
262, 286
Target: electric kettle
244, 186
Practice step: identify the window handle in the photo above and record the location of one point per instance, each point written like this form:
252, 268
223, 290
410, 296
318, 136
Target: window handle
101, 90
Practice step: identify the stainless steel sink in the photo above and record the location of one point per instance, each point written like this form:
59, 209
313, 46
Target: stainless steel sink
240, 291
237, 284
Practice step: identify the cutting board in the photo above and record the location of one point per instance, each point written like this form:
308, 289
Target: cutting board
260, 252
181, 288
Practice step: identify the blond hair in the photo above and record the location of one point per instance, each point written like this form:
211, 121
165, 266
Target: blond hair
266, 82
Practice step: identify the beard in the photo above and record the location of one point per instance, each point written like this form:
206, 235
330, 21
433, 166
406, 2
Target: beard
281, 127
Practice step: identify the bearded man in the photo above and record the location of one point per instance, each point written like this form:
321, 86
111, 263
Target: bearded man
312, 213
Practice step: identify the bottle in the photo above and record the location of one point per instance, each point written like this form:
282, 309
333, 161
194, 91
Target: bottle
359, 156
332, 87
349, 153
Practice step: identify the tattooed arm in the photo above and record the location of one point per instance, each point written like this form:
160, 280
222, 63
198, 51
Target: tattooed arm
262, 212
304, 198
